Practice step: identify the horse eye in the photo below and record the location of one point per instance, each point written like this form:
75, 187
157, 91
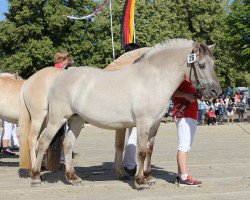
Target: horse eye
202, 66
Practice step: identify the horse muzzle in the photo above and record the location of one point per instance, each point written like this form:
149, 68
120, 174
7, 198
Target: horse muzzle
209, 91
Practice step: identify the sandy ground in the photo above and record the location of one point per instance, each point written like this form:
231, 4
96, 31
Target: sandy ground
220, 157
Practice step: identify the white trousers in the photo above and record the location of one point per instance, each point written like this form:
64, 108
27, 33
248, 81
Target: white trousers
9, 130
129, 160
186, 128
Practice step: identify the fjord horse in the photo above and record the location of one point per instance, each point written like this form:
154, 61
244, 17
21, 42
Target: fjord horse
137, 95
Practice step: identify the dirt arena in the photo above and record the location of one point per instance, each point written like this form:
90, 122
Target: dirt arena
220, 157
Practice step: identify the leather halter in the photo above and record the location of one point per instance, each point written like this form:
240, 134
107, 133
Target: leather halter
200, 86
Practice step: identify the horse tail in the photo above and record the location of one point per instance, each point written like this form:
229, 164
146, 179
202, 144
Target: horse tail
24, 124
54, 151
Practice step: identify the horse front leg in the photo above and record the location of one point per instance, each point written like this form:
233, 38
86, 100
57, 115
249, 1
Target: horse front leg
147, 164
75, 126
150, 147
142, 138
119, 147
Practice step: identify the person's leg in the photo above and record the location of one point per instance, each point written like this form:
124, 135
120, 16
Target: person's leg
14, 136
129, 161
7, 129
241, 116
209, 120
214, 120
186, 128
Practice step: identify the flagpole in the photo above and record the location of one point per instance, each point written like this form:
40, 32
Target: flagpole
111, 24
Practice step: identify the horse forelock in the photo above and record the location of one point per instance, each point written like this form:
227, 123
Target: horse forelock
166, 45
206, 51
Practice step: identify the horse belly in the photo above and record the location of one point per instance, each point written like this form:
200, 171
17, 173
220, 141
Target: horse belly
107, 120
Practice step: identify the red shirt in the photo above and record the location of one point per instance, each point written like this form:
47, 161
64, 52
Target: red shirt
58, 65
211, 113
191, 111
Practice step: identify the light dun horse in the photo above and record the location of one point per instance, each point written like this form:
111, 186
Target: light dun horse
32, 119
10, 86
33, 112
137, 95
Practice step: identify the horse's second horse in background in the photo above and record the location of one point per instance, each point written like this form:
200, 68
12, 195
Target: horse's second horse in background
33, 112
10, 86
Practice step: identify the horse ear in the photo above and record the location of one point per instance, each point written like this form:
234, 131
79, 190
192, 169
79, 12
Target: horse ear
211, 47
196, 47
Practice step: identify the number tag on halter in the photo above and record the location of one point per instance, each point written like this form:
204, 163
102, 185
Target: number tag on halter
192, 58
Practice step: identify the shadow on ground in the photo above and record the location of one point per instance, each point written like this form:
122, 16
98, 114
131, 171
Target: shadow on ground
97, 173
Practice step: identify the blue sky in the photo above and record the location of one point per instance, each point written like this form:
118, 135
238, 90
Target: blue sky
3, 8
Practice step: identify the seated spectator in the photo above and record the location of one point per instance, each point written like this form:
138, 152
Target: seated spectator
211, 117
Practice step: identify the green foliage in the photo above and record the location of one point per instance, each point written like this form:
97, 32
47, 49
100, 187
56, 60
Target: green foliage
238, 41
35, 29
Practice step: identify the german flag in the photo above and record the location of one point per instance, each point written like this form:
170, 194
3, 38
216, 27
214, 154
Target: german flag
127, 24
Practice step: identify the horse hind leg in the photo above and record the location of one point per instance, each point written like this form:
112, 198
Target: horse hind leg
119, 147
44, 142
35, 130
75, 126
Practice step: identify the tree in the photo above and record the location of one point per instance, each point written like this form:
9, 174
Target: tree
238, 41
36, 29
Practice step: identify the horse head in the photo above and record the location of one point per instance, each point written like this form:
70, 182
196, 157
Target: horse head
201, 71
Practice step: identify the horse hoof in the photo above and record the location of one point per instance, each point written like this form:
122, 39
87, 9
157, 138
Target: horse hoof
77, 182
36, 183
151, 183
141, 187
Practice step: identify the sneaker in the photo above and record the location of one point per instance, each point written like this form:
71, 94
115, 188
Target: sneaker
189, 182
130, 172
8, 152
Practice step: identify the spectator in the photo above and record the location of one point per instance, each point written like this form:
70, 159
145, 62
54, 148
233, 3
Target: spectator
9, 130
62, 60
201, 108
211, 117
237, 97
230, 108
222, 112
226, 100
216, 109
241, 107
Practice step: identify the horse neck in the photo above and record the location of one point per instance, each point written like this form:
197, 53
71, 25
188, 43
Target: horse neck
167, 74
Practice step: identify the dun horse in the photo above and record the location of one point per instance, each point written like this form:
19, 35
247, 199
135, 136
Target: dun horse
137, 95
32, 119
33, 112
10, 86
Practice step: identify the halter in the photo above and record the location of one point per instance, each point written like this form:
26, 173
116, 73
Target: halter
192, 61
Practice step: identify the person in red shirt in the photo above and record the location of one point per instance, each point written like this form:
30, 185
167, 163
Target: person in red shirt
186, 127
211, 117
62, 60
